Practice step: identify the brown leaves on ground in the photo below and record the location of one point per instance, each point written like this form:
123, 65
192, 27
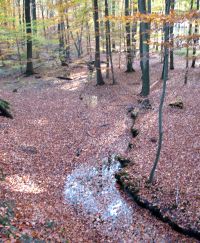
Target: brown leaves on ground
176, 186
38, 149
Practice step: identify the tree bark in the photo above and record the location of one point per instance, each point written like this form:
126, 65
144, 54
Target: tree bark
128, 40
113, 27
62, 52
108, 44
166, 42
166, 51
99, 77
134, 31
172, 39
29, 64
34, 16
195, 40
187, 52
144, 51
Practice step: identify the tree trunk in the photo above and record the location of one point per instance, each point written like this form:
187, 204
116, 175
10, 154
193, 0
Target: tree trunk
107, 40
29, 64
172, 39
34, 16
195, 40
97, 44
134, 31
144, 51
113, 27
108, 43
166, 42
166, 51
62, 52
89, 48
43, 18
128, 39
68, 54
188, 42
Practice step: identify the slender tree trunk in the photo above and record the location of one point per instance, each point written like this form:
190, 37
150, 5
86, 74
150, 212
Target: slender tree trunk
23, 15
195, 40
97, 44
34, 16
113, 26
166, 51
166, 41
188, 42
29, 64
19, 12
89, 48
144, 51
149, 30
14, 15
134, 31
75, 44
121, 38
162, 48
108, 43
19, 54
102, 30
79, 39
128, 40
43, 19
62, 52
172, 39
68, 56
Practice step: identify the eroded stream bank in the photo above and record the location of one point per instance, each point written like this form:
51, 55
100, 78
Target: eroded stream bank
93, 193
60, 123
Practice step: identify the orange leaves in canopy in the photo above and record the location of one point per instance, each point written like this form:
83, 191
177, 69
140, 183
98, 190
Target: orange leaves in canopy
173, 17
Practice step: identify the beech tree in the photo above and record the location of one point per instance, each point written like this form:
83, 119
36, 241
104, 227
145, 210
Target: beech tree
172, 38
97, 44
187, 50
29, 64
166, 42
195, 39
144, 50
128, 39
162, 98
67, 28
108, 44
61, 33
34, 16
113, 26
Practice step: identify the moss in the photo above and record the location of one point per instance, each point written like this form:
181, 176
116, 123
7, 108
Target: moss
4, 109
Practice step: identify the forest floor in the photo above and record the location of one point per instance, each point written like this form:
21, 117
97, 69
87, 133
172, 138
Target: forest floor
62, 131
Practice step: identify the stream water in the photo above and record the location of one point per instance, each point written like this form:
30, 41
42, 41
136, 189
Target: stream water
92, 190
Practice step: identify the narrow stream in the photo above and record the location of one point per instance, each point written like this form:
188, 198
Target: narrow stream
92, 191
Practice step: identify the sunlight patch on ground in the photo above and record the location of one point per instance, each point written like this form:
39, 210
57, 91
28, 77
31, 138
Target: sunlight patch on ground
91, 100
23, 184
41, 122
71, 86
79, 75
